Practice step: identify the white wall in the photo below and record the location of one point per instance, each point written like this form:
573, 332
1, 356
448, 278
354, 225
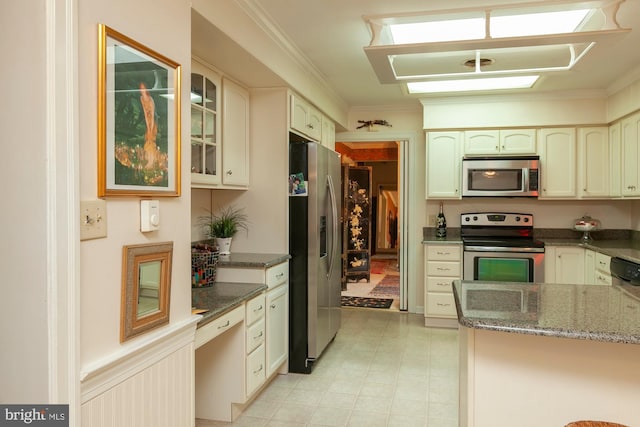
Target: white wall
23, 249
164, 26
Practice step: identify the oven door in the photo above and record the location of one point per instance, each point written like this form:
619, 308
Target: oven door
508, 265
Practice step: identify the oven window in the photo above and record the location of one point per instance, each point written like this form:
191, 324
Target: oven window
503, 269
495, 179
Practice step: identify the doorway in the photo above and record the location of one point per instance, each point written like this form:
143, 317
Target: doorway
371, 168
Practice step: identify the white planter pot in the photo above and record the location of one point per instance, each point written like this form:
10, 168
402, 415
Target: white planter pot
224, 245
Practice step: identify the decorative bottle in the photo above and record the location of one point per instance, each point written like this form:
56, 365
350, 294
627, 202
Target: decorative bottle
441, 223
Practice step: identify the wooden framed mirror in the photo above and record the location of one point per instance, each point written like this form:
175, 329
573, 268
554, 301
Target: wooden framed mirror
146, 288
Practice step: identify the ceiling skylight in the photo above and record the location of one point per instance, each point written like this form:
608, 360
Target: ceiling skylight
466, 85
474, 28
504, 41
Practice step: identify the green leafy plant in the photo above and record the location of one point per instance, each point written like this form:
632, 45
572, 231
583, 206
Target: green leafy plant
226, 222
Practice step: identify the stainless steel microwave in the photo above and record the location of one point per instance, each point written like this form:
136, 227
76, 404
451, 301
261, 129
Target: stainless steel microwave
500, 176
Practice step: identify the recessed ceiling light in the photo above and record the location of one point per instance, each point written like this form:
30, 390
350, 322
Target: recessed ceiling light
466, 85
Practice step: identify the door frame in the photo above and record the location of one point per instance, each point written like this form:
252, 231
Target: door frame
406, 182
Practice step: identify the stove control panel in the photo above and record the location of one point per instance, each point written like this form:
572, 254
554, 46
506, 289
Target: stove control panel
496, 219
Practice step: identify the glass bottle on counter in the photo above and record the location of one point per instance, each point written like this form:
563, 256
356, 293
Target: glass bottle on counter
441, 223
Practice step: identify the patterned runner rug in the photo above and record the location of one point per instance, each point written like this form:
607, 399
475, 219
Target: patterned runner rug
366, 302
389, 286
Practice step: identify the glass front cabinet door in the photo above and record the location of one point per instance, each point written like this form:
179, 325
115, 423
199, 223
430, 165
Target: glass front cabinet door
205, 126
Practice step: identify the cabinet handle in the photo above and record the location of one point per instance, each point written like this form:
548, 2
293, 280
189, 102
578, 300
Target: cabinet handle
443, 269
273, 306
310, 126
442, 284
258, 336
229, 172
442, 305
224, 326
443, 253
258, 370
257, 309
279, 275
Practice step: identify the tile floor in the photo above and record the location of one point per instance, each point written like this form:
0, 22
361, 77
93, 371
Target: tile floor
383, 369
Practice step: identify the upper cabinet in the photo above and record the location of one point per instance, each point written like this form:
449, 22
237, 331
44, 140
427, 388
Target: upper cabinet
500, 142
235, 134
443, 165
593, 162
557, 149
630, 156
328, 133
205, 126
219, 131
305, 119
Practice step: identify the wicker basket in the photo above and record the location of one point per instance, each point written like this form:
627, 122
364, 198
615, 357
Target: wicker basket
204, 259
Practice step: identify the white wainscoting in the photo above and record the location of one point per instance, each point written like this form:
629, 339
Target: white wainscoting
149, 383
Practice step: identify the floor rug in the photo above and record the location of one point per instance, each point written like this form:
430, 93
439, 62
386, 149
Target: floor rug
366, 302
377, 267
388, 286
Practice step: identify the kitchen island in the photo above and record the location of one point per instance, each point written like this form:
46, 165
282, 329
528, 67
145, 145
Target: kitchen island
548, 354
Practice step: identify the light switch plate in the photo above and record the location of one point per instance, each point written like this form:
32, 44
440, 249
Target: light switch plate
93, 219
149, 215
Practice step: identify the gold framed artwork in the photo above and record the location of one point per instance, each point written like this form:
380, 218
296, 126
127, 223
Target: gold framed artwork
146, 288
138, 119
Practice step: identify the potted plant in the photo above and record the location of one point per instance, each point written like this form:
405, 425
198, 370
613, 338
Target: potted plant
224, 224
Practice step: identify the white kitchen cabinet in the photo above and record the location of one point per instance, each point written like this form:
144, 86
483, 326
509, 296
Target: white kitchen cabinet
443, 265
593, 162
557, 149
276, 309
219, 131
277, 327
235, 134
630, 156
255, 348
500, 142
305, 119
206, 152
443, 165
615, 160
569, 265
328, 133
602, 273
589, 267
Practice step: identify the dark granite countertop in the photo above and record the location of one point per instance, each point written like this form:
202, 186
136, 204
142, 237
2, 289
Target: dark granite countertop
222, 297
589, 312
251, 260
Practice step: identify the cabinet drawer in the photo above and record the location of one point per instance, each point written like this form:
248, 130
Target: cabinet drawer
255, 309
602, 262
602, 279
440, 305
277, 274
439, 284
219, 326
443, 268
255, 335
255, 370
443, 252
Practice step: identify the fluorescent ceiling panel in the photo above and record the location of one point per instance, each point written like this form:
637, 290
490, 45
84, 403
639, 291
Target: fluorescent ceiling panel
438, 31
465, 85
535, 24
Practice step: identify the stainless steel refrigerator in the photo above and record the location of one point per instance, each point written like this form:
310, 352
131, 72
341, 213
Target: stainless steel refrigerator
315, 267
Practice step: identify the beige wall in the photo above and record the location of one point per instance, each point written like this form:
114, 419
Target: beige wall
164, 26
24, 213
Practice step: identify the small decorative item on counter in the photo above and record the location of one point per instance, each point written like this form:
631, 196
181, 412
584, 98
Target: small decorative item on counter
586, 224
204, 259
441, 223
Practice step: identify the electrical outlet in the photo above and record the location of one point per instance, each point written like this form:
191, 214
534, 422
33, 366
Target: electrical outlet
93, 219
432, 220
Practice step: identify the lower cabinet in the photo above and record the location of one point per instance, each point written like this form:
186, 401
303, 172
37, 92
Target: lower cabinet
576, 265
255, 336
277, 327
442, 267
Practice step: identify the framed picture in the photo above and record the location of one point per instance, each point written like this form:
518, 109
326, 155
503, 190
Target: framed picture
138, 119
146, 288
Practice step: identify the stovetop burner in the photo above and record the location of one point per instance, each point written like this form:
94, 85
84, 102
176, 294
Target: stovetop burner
498, 229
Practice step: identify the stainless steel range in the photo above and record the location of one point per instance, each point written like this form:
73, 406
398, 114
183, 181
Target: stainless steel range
500, 247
